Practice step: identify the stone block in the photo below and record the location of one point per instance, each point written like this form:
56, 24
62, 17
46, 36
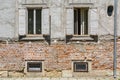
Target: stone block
45, 78
66, 73
15, 74
72, 79
34, 74
3, 73
63, 78
81, 79
53, 74
54, 78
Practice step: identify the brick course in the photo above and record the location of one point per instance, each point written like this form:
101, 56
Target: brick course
58, 56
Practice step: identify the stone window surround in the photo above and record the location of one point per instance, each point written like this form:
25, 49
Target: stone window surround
34, 61
33, 37
34, 66
89, 37
88, 61
89, 5
80, 63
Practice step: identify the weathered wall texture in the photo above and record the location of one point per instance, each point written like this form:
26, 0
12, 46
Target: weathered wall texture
58, 12
7, 19
58, 57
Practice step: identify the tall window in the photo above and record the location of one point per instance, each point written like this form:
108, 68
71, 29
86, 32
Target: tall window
81, 21
34, 21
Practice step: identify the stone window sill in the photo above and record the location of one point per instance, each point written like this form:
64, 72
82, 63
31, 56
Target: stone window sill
35, 37
32, 38
81, 38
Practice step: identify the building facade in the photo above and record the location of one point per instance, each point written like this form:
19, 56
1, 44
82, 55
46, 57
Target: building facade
57, 38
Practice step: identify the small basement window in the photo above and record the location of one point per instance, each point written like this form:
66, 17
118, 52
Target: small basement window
34, 67
80, 66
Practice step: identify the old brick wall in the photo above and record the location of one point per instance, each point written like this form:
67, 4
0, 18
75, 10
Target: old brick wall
57, 57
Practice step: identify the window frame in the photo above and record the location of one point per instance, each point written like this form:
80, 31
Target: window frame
80, 70
41, 70
83, 31
34, 21
33, 65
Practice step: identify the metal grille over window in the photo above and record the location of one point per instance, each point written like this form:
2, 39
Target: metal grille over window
80, 67
34, 66
81, 21
34, 21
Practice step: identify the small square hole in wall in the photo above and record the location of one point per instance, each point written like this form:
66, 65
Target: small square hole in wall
80, 66
34, 66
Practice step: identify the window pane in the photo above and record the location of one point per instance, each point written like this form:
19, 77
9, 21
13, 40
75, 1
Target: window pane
81, 66
75, 21
81, 21
86, 22
38, 21
30, 21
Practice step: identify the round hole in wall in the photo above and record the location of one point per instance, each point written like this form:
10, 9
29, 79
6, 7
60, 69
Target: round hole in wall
110, 10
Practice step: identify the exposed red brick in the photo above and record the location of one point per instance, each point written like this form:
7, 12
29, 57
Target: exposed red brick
59, 56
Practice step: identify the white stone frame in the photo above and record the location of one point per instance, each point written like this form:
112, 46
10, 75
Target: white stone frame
88, 61
34, 73
92, 11
23, 28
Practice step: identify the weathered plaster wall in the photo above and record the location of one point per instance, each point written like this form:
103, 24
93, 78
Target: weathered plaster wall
7, 18
57, 15
106, 25
57, 9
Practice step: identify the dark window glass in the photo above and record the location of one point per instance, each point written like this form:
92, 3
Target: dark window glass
30, 21
38, 21
110, 10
